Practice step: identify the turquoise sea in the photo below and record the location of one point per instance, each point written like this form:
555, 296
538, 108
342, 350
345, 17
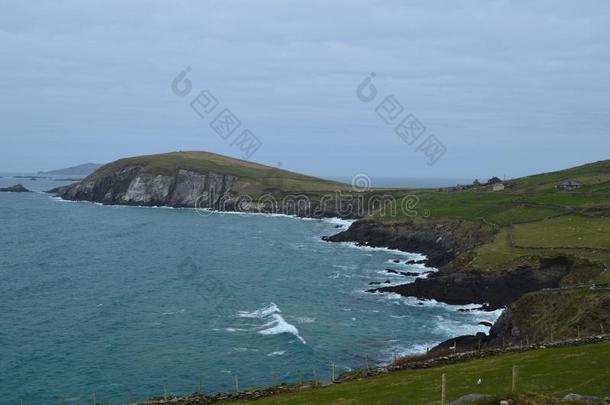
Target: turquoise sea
127, 301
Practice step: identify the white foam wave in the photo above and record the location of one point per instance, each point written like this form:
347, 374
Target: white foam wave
261, 312
234, 330
279, 325
345, 223
354, 245
304, 319
277, 353
275, 325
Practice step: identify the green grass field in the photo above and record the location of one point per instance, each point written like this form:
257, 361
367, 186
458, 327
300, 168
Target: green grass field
571, 230
551, 372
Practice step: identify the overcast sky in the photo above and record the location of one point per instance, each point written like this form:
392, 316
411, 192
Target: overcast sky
508, 88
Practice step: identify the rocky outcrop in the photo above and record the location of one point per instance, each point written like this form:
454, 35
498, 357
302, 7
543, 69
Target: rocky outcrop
134, 186
440, 240
554, 314
496, 289
17, 188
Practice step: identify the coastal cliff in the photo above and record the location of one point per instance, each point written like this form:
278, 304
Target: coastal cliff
209, 181
440, 240
493, 289
133, 185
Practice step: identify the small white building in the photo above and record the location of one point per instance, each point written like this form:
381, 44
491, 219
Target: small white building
497, 186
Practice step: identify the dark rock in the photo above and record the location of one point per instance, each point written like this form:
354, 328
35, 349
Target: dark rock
392, 271
440, 240
17, 188
488, 324
416, 261
375, 283
409, 273
497, 289
387, 282
462, 343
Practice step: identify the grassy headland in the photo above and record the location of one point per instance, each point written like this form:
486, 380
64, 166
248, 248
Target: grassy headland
253, 179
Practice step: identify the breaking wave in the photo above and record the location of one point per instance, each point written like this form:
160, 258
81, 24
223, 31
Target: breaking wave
275, 325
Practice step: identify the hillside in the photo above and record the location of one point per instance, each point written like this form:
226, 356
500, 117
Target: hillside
552, 373
207, 180
251, 177
80, 170
499, 247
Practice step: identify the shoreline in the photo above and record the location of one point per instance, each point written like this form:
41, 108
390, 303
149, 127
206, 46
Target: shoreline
343, 225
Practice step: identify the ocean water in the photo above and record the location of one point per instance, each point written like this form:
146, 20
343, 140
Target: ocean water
127, 300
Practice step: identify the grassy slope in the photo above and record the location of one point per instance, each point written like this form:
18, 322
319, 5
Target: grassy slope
253, 177
553, 372
532, 217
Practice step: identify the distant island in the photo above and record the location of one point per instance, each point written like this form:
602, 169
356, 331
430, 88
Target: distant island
17, 188
80, 170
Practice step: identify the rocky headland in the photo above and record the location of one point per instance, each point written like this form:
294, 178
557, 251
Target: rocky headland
208, 181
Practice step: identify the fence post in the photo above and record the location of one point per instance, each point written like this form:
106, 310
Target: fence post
515, 378
366, 362
94, 401
273, 379
443, 388
165, 392
332, 371
61, 400
315, 377
300, 377
601, 326
236, 384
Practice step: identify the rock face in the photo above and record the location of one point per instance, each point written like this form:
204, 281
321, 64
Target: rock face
440, 241
497, 289
18, 188
134, 186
